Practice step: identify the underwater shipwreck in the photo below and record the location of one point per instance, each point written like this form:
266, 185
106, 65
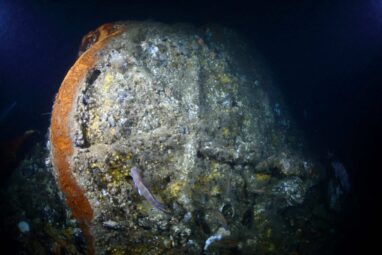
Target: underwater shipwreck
171, 139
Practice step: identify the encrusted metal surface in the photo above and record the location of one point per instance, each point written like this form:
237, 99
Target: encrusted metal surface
194, 109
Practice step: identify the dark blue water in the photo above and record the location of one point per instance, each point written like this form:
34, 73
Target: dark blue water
326, 57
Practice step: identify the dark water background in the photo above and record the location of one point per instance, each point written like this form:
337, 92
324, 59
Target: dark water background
326, 56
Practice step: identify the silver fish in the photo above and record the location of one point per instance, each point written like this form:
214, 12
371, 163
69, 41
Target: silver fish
136, 173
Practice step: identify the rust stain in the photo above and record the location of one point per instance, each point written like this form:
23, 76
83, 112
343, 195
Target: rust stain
62, 147
98, 35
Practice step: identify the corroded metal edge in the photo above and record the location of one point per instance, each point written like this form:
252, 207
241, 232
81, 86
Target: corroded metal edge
62, 144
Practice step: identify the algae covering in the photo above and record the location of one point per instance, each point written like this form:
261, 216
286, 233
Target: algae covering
195, 110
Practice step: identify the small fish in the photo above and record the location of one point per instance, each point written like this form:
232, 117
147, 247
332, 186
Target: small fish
144, 191
341, 175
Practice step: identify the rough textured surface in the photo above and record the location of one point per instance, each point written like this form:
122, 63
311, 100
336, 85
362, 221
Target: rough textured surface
31, 198
62, 148
198, 114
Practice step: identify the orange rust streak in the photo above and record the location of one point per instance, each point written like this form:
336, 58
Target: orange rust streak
62, 148
99, 34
